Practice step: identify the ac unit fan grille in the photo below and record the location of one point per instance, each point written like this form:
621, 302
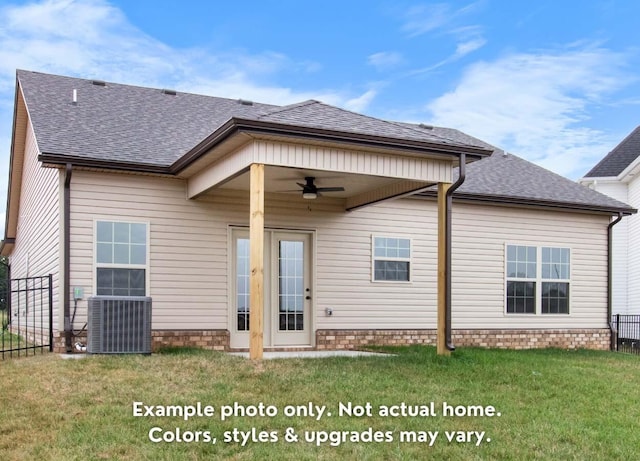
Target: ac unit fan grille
119, 325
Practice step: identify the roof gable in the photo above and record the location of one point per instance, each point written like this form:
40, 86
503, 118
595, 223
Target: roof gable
616, 161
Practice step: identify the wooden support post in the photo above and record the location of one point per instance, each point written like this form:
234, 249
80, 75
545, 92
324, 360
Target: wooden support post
441, 341
256, 261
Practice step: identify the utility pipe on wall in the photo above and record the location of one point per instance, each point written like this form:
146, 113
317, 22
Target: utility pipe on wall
610, 274
66, 289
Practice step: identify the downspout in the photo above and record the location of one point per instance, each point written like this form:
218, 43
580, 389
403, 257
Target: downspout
67, 258
448, 207
610, 274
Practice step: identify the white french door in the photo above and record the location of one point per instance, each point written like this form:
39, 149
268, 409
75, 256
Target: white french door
287, 289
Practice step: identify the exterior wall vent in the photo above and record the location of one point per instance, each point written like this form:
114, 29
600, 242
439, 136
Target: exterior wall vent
119, 325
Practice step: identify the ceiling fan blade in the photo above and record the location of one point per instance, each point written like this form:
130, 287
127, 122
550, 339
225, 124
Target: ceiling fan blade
330, 189
301, 185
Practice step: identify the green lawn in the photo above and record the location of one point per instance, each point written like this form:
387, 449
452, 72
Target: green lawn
11, 341
552, 405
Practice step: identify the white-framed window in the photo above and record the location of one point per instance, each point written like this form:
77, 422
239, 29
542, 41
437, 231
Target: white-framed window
121, 258
538, 279
391, 259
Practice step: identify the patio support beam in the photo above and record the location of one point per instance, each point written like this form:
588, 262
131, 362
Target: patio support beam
256, 261
441, 338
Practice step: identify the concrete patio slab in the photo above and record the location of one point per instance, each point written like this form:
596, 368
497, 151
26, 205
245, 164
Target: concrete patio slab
311, 354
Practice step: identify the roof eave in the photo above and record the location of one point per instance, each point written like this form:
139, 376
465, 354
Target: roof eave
529, 202
236, 124
11, 200
630, 171
53, 159
6, 246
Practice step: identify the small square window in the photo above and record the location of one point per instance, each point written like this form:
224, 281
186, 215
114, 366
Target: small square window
391, 259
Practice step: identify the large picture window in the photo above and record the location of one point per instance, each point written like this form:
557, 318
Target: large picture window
391, 259
537, 280
121, 258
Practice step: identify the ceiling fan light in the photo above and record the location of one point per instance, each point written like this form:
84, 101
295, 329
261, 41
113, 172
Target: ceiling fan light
309, 195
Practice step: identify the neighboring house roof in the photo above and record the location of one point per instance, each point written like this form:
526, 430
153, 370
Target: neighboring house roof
123, 124
619, 158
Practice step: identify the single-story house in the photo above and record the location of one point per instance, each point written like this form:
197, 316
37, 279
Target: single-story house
333, 220
617, 176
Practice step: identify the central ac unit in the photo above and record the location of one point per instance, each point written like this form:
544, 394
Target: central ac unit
119, 325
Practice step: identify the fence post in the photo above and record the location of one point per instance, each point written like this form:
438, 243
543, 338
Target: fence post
617, 331
50, 313
9, 294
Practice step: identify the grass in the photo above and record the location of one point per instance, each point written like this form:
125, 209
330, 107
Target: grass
9, 340
553, 404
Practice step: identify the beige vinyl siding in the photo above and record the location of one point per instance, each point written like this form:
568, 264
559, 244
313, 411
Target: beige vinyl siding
633, 223
189, 254
292, 155
352, 161
37, 248
480, 234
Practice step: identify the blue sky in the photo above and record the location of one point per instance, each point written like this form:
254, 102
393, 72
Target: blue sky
553, 81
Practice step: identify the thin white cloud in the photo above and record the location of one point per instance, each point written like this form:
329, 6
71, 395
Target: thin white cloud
385, 60
425, 18
421, 19
464, 48
360, 103
443, 21
534, 104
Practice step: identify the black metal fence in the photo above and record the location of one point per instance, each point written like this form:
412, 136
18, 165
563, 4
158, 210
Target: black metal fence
27, 317
626, 329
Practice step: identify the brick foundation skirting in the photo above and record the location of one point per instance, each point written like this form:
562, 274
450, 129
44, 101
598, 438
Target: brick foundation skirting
505, 339
58, 341
218, 340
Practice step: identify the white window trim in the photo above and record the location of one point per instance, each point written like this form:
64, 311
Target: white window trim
97, 265
538, 280
374, 258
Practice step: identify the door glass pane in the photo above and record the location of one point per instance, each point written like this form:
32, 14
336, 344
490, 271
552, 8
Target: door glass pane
242, 284
290, 284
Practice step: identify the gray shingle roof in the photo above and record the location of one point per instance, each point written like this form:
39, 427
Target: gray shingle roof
130, 124
314, 114
124, 123
619, 158
508, 177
